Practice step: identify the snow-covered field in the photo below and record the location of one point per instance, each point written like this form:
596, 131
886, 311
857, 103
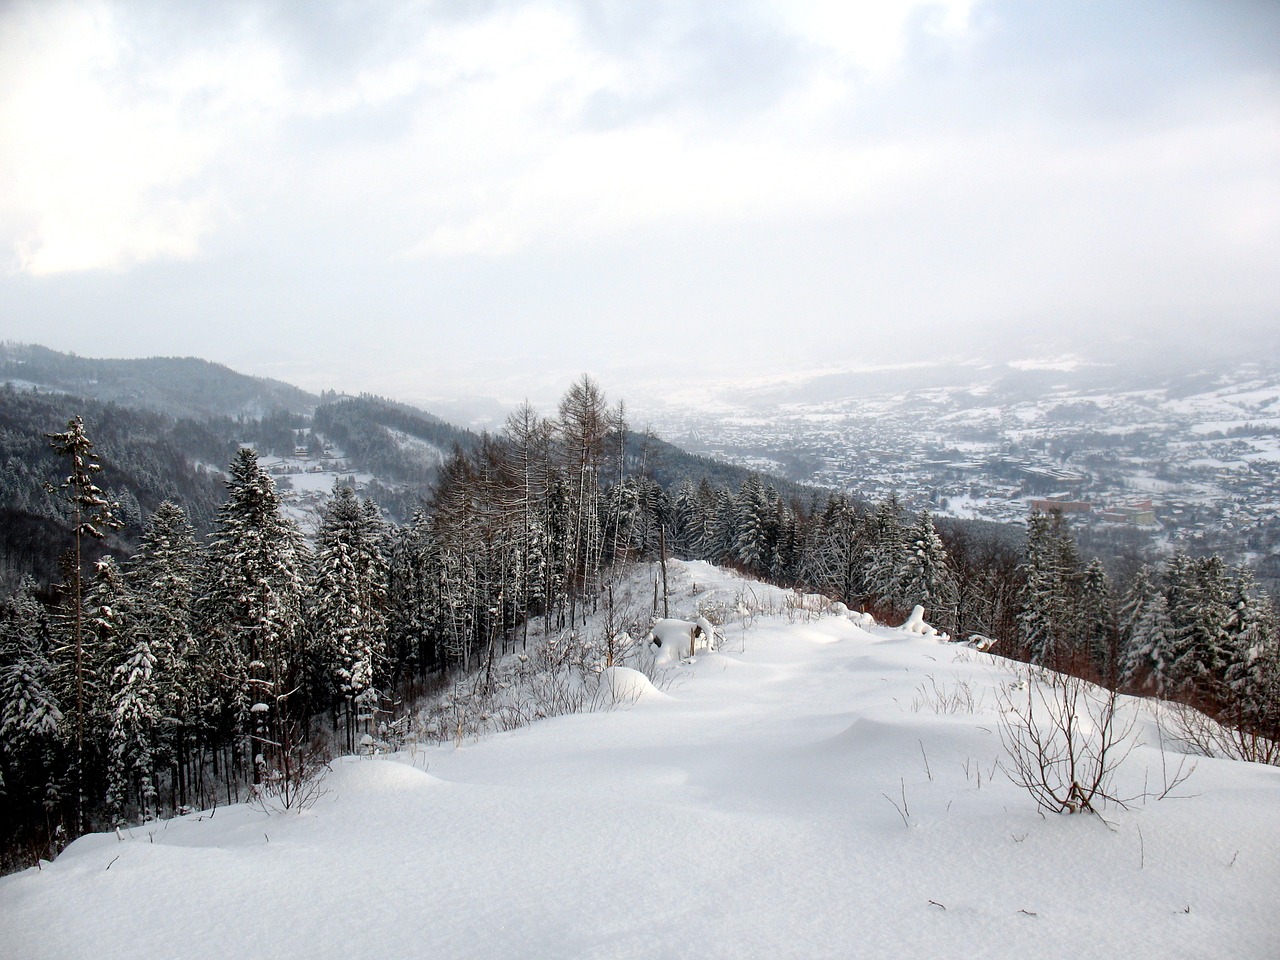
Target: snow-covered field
812, 789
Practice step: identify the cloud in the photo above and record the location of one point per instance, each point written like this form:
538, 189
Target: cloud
532, 173
133, 135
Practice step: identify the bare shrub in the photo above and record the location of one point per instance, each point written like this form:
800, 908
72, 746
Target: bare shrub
1064, 739
1207, 737
298, 782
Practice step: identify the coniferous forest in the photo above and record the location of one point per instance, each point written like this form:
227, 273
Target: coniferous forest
197, 649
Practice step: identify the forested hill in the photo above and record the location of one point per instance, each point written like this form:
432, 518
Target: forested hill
147, 458
165, 429
391, 440
179, 386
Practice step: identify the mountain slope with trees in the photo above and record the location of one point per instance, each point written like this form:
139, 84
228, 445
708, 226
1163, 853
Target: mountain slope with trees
177, 386
204, 660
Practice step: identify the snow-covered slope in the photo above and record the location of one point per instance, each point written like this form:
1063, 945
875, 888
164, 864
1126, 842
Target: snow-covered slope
815, 788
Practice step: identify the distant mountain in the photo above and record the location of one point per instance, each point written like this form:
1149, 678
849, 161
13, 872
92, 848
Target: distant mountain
178, 386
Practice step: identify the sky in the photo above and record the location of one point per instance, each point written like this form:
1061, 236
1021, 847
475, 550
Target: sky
488, 198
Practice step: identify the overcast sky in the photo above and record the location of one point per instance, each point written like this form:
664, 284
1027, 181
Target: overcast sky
490, 197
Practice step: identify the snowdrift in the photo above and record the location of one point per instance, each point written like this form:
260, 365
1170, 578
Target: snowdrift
815, 787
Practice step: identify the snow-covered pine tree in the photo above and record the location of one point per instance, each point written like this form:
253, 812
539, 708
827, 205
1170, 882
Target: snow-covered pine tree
136, 720
702, 538
92, 516
886, 544
348, 602
751, 508
626, 519
832, 561
684, 520
1253, 677
1038, 613
1202, 648
251, 612
925, 576
161, 577
1096, 624
785, 535
1148, 663
1134, 662
723, 535
109, 616
31, 750
409, 595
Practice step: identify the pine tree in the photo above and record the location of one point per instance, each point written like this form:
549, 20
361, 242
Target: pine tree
92, 516
162, 577
886, 546
925, 576
751, 546
1038, 620
832, 553
349, 598
409, 599
1134, 662
31, 759
1202, 647
1253, 677
701, 540
136, 719
251, 611
1096, 621
724, 529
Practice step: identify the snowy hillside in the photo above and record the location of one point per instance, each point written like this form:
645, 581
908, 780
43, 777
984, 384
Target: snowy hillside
816, 787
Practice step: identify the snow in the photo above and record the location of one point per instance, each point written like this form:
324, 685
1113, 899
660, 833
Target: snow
815, 787
624, 685
916, 624
675, 639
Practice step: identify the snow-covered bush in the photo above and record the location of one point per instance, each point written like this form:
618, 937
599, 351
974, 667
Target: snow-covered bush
675, 639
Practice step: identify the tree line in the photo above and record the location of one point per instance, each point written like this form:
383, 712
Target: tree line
194, 671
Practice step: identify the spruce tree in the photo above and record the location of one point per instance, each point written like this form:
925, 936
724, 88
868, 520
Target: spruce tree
886, 546
925, 576
92, 517
1096, 621
1038, 620
1202, 649
31, 748
349, 600
251, 612
162, 579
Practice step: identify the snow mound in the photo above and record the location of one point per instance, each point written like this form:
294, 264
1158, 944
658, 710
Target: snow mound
916, 624
866, 735
621, 685
838, 609
379, 775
